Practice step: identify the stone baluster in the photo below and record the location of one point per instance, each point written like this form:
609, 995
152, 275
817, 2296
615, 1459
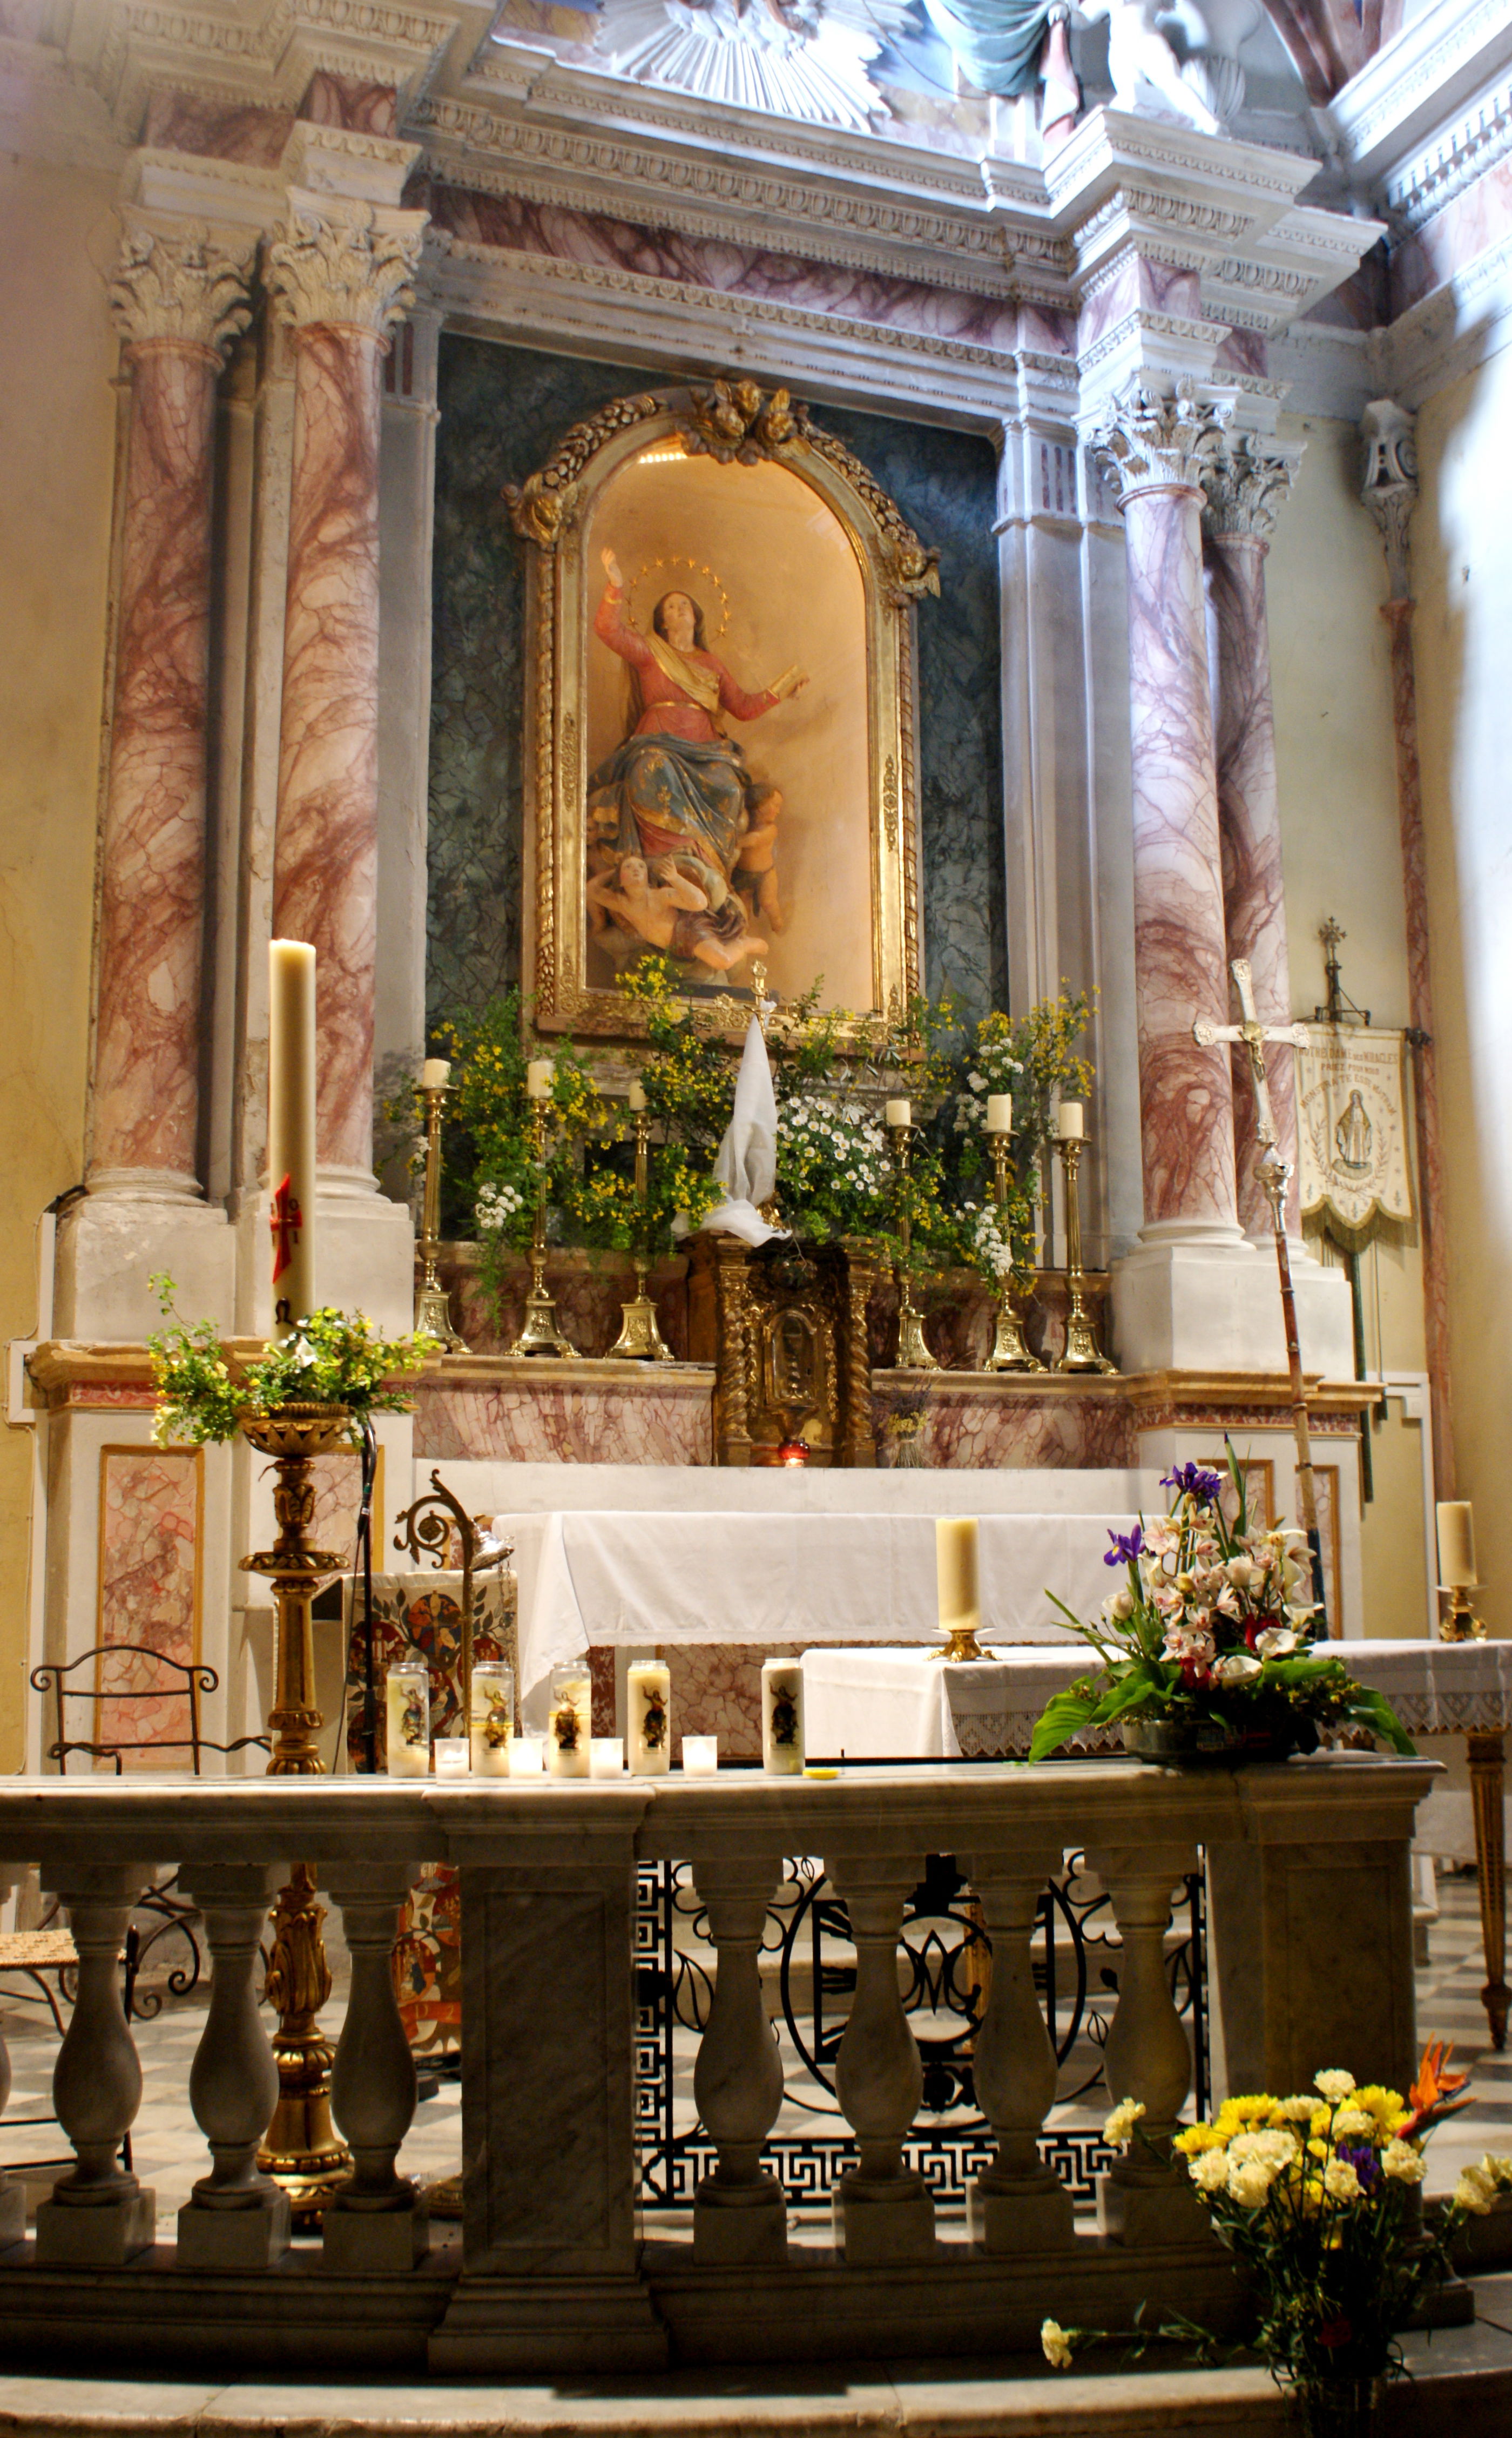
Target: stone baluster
886, 2210
1018, 2203
340, 278
1147, 2058
739, 2211
1155, 449
236, 2218
177, 302
1246, 483
377, 2221
98, 2216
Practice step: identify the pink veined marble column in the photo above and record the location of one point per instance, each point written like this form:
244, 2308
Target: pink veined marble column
341, 277
1155, 449
1245, 484
177, 302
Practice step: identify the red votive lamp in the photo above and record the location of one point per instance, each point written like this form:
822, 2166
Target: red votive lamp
793, 1452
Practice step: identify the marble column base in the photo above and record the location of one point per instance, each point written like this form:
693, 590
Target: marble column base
235, 2238
1211, 1302
379, 2243
1162, 2210
877, 2221
364, 1260
498, 2325
1008, 2217
736, 2223
109, 1247
98, 2235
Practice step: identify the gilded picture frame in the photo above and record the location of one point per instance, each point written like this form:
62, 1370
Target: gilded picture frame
730, 500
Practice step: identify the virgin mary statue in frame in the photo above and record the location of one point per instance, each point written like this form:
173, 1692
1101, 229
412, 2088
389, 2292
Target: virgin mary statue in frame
722, 698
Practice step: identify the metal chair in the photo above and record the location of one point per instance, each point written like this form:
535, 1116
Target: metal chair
192, 1680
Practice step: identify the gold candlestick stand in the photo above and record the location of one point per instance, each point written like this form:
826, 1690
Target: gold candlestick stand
539, 1331
1010, 1351
1460, 1624
432, 1303
639, 1339
913, 1354
301, 2150
1082, 1352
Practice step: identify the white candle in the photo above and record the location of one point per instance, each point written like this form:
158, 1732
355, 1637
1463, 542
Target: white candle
955, 1570
1069, 1123
606, 1757
434, 1072
406, 1715
701, 1756
638, 1095
1456, 1542
539, 1079
900, 1113
291, 1128
570, 1727
451, 1756
648, 1692
527, 1757
782, 1718
492, 1724
999, 1113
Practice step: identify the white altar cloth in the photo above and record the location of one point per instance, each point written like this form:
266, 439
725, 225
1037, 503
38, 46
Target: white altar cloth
643, 1577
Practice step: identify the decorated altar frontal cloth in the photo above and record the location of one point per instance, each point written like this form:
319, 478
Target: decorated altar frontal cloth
651, 1579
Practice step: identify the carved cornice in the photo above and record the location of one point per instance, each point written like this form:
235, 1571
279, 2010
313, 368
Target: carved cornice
1390, 487
352, 268
1150, 442
1177, 326
267, 59
1454, 161
183, 289
1246, 483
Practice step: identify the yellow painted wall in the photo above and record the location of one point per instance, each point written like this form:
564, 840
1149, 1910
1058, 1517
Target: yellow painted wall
56, 455
1462, 579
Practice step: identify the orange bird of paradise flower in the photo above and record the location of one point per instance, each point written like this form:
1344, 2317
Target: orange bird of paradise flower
1436, 2093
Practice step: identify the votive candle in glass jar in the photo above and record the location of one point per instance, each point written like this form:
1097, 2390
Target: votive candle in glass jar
407, 1698
527, 1757
782, 1716
701, 1756
608, 1757
648, 1738
491, 1726
569, 1725
451, 1756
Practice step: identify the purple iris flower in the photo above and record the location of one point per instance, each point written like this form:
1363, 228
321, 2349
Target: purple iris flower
1126, 1547
1360, 2156
1194, 1481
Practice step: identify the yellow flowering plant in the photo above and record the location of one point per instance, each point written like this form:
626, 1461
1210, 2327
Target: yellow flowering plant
1317, 2194
331, 1358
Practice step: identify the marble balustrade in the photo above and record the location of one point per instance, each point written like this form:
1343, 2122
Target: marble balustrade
1308, 1866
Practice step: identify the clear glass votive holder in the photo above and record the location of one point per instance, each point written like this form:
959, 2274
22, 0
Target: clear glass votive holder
491, 1724
606, 1757
701, 1756
527, 1757
452, 1756
569, 1725
407, 1719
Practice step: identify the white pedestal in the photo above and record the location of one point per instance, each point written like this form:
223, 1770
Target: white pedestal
241, 2238
99, 2234
365, 1258
1201, 1300
379, 2243
111, 1244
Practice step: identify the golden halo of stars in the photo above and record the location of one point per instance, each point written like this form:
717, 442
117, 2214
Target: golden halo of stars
675, 573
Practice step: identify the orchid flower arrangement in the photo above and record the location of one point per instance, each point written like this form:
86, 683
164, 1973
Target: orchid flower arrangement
1211, 1625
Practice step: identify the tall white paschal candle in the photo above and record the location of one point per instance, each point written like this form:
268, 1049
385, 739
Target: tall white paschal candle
291, 1129
782, 1716
956, 1571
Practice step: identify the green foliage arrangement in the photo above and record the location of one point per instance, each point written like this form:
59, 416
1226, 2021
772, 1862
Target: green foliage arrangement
333, 1358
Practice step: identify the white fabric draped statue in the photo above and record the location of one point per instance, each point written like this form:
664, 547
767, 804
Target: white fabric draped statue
745, 1162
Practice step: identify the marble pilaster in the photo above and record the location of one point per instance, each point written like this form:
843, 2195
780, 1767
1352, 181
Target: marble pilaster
341, 277
1245, 484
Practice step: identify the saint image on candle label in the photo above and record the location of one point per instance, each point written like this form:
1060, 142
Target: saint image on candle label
653, 1718
415, 1723
493, 1723
567, 1727
784, 1716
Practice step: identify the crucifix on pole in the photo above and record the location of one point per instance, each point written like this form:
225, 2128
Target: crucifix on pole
1273, 1175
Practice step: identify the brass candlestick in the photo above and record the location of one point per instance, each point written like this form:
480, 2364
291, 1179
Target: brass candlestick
539, 1331
433, 1302
913, 1354
1082, 1352
301, 2150
1460, 1624
639, 1339
1010, 1352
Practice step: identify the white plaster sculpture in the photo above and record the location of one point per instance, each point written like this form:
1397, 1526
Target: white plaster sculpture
797, 59
745, 1162
1141, 62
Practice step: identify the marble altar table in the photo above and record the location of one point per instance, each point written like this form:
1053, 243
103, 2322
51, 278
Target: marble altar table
898, 1703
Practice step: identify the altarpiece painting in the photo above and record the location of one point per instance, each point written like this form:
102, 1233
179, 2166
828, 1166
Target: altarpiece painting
722, 698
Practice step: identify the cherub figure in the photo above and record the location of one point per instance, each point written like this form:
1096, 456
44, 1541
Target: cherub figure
674, 915
756, 862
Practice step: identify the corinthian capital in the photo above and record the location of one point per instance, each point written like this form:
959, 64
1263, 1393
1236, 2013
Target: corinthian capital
1150, 442
183, 288
1390, 487
351, 266
1246, 483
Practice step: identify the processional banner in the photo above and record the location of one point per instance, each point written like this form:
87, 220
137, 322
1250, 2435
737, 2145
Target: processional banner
1353, 1171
